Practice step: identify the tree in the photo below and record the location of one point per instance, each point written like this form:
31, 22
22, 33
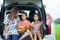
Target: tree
57, 21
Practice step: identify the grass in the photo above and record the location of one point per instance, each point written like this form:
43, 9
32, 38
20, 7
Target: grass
57, 30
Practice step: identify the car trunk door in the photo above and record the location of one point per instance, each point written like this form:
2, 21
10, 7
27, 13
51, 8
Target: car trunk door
37, 2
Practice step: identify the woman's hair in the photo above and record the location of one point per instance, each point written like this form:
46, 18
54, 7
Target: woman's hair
14, 9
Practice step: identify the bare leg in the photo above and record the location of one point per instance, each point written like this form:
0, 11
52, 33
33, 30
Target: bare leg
30, 34
35, 36
25, 35
39, 36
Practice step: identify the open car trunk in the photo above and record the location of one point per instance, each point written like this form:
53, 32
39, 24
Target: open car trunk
36, 2
24, 5
21, 1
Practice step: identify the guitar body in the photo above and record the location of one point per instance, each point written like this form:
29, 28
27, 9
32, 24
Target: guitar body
21, 30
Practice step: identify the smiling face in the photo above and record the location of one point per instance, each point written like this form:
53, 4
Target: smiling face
23, 16
36, 17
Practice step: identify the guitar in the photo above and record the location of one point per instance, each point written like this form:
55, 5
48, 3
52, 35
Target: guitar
23, 29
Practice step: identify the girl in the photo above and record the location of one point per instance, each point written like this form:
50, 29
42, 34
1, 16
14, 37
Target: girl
36, 25
10, 25
24, 27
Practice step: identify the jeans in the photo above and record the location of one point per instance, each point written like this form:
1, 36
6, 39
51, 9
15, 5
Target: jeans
12, 37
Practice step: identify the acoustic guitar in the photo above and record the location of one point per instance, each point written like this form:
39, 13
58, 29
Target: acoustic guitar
21, 30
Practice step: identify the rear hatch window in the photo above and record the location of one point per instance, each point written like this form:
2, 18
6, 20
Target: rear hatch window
36, 2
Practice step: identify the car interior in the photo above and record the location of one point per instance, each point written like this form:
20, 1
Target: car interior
27, 9
30, 9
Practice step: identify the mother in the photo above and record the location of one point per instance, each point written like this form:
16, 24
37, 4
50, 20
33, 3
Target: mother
10, 25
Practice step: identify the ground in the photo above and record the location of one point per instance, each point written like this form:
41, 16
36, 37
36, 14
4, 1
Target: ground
52, 35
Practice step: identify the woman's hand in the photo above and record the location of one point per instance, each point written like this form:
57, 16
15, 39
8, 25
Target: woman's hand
6, 36
5, 29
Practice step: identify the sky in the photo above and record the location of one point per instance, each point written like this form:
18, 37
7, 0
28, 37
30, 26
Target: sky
52, 7
1, 2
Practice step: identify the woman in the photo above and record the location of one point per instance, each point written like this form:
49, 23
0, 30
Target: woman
36, 25
10, 25
24, 27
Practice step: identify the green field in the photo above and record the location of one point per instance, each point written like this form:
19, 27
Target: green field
57, 31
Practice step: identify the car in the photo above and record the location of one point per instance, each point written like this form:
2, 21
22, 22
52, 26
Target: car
48, 22
28, 6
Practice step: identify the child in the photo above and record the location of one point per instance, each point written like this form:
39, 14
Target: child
36, 25
24, 26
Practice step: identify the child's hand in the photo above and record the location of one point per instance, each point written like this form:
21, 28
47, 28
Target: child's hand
31, 24
27, 30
